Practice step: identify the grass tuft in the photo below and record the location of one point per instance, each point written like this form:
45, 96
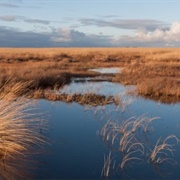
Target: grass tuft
19, 131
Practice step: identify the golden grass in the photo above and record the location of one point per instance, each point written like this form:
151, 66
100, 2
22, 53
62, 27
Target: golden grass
19, 132
129, 139
162, 149
128, 157
90, 99
155, 71
159, 80
107, 165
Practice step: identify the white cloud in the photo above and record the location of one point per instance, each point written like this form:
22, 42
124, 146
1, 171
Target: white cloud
34, 21
11, 37
10, 18
174, 33
71, 37
65, 37
160, 37
170, 35
131, 24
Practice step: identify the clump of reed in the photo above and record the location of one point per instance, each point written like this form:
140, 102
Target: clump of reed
128, 130
90, 99
107, 165
161, 156
19, 131
130, 139
133, 155
162, 149
125, 136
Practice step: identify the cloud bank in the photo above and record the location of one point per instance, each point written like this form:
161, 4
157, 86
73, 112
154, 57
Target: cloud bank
158, 37
10, 18
11, 37
131, 24
65, 37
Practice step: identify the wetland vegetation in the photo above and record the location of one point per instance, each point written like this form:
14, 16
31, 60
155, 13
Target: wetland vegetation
20, 134
155, 71
132, 95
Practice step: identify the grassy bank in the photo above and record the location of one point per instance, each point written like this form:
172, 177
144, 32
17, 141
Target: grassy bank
155, 71
156, 74
19, 132
90, 99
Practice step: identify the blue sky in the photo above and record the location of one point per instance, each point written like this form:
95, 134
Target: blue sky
89, 23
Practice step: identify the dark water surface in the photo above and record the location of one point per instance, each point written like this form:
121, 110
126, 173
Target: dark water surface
77, 149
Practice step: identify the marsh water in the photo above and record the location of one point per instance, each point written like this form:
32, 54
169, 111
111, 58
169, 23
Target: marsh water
77, 147
113, 70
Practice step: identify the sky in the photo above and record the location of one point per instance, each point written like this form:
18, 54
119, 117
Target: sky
89, 23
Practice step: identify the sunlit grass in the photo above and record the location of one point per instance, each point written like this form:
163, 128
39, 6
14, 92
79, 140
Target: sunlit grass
162, 150
155, 71
19, 131
108, 164
130, 139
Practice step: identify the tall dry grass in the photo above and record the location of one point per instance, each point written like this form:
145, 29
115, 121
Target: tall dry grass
19, 132
130, 140
155, 71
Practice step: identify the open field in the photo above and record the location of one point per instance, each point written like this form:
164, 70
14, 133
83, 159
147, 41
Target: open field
155, 71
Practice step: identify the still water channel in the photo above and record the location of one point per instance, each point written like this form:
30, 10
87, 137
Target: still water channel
77, 147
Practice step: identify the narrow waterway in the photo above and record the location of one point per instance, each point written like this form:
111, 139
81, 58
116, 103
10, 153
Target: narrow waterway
77, 147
